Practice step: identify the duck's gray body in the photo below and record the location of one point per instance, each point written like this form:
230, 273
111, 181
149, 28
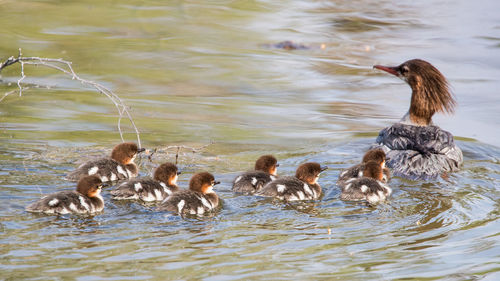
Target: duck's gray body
419, 152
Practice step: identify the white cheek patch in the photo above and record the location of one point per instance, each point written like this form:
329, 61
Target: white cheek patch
113, 177
138, 187
174, 181
121, 171
273, 178
238, 179
254, 181
364, 188
180, 206
53, 202
280, 188
93, 170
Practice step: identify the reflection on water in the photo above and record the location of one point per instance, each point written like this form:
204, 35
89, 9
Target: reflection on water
193, 72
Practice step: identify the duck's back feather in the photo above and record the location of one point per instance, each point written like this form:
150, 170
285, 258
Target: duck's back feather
251, 182
290, 189
419, 152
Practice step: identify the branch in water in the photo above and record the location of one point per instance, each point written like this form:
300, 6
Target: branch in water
66, 68
179, 148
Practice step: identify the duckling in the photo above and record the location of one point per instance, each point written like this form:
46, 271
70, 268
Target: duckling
120, 166
149, 189
199, 199
265, 171
370, 187
304, 186
85, 200
356, 171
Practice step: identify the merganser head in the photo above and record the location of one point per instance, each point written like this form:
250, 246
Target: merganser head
268, 164
373, 170
89, 186
309, 172
125, 152
377, 155
167, 173
430, 90
203, 182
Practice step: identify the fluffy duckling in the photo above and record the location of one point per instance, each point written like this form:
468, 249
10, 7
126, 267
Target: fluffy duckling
356, 171
370, 187
120, 166
199, 199
162, 185
85, 200
304, 186
265, 171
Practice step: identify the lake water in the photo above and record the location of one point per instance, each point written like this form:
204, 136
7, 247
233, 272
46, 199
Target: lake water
196, 72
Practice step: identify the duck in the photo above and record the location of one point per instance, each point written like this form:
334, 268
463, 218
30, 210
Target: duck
370, 187
199, 199
266, 168
356, 171
304, 186
86, 199
118, 167
162, 185
415, 147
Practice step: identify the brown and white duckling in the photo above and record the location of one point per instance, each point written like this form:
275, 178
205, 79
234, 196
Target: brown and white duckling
120, 166
162, 185
370, 187
415, 147
356, 171
304, 186
265, 171
199, 199
86, 199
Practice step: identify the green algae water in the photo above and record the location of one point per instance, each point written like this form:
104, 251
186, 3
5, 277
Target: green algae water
197, 72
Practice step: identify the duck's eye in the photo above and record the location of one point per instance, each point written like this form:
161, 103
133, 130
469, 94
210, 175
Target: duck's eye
404, 69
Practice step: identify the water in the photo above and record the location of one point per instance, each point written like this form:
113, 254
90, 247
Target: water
195, 72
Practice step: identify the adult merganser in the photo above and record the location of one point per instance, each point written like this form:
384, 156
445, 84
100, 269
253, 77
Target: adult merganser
304, 186
265, 171
370, 187
120, 166
415, 147
198, 200
85, 200
149, 189
356, 171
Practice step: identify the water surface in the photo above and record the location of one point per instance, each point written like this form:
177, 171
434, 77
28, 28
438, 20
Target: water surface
194, 72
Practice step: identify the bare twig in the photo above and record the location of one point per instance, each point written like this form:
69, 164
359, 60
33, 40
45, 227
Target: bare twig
66, 68
178, 149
